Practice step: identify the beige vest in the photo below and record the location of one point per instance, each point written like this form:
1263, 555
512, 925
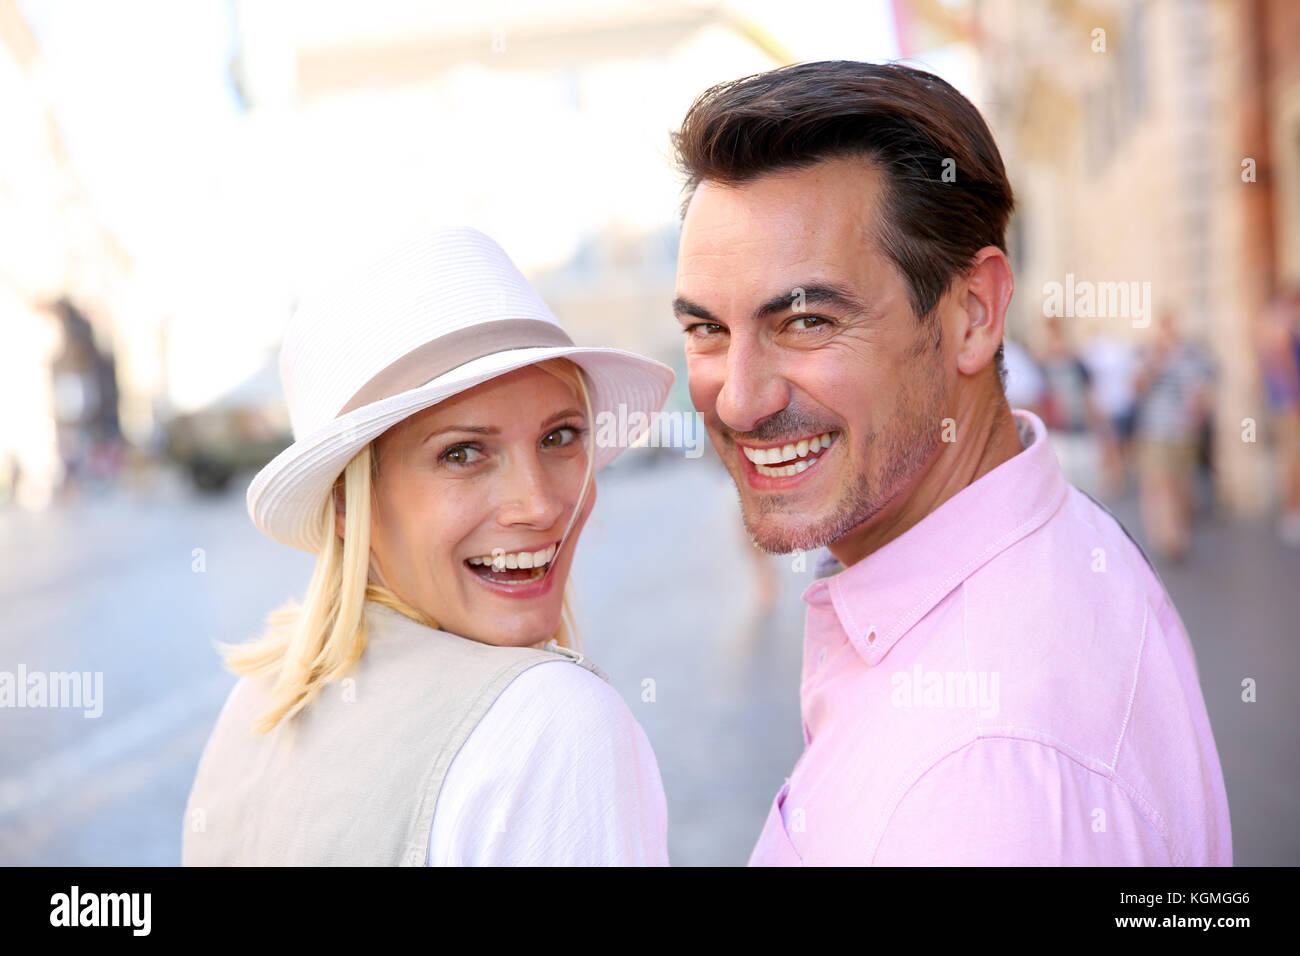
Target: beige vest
353, 779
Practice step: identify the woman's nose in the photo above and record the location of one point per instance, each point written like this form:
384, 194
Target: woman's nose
529, 496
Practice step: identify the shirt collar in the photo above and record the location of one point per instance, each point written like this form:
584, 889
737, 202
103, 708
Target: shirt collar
880, 598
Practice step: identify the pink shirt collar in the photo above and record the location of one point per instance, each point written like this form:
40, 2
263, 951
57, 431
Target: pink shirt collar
880, 598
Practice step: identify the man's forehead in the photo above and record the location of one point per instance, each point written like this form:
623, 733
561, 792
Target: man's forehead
740, 250
851, 186
779, 221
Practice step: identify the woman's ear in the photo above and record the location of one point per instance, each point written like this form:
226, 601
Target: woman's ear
340, 511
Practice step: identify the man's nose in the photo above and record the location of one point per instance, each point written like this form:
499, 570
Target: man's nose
753, 389
529, 495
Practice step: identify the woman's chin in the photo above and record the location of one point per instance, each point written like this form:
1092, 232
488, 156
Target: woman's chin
532, 629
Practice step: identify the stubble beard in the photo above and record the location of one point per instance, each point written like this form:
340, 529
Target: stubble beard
909, 446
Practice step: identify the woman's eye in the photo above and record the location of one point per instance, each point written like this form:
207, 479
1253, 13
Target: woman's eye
559, 437
460, 455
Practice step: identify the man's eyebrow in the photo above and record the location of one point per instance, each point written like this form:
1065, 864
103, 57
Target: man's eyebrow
683, 306
812, 294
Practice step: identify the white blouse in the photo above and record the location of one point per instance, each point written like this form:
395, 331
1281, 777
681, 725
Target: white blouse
557, 773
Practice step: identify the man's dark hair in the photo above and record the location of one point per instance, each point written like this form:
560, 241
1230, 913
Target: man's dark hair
913, 125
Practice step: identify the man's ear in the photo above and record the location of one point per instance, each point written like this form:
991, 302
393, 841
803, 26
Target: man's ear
989, 285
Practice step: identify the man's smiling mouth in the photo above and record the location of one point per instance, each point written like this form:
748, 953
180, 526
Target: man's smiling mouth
792, 458
513, 567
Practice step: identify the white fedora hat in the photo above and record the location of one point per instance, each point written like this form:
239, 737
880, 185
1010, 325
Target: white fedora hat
437, 316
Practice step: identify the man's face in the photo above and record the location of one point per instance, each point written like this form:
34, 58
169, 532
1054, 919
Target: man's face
799, 330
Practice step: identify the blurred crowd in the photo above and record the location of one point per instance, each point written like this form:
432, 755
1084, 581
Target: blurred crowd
1141, 416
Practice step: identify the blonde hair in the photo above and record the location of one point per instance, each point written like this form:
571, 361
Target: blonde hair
306, 646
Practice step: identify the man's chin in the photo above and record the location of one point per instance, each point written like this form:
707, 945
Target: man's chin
784, 537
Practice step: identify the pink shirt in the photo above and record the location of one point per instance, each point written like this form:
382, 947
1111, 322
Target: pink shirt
1006, 683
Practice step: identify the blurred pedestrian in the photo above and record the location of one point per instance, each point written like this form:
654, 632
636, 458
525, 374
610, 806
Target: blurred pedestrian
1067, 407
1174, 389
1112, 367
1279, 360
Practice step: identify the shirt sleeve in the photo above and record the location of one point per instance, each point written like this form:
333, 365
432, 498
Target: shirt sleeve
1002, 801
557, 773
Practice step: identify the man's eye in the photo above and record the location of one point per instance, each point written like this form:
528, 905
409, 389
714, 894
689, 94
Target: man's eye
810, 321
703, 328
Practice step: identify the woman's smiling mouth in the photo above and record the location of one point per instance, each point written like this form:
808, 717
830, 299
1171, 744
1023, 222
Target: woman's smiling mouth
513, 568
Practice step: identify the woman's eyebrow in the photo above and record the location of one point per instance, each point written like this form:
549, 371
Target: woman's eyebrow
491, 430
473, 429
567, 413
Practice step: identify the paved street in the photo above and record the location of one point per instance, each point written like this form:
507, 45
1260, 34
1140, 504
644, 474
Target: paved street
114, 584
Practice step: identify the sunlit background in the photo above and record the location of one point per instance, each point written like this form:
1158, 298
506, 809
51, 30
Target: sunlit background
174, 176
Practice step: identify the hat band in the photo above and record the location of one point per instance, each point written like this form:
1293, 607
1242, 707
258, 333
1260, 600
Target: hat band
439, 356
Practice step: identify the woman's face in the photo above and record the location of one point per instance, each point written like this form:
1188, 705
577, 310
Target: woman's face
470, 503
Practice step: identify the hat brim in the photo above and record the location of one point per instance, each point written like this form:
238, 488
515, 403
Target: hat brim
285, 498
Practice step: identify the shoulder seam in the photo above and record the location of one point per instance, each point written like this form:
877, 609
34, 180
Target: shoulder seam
1132, 691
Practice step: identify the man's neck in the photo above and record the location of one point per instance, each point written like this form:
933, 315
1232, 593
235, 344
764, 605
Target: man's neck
986, 437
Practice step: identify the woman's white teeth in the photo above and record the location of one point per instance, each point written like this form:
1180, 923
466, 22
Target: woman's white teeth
790, 459
501, 561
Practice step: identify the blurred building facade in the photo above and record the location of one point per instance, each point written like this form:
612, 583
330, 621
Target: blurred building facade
63, 277
1154, 142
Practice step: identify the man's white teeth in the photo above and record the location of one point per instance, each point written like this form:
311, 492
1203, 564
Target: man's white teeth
515, 560
786, 471
792, 458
